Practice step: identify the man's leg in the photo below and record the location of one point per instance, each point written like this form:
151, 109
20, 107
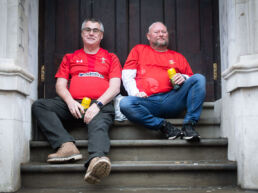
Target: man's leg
195, 98
98, 165
191, 96
142, 111
49, 113
146, 111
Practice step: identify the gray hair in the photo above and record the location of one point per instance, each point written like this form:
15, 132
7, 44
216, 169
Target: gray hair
94, 21
154, 24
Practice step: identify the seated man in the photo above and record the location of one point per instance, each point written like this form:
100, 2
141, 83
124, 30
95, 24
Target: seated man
152, 97
95, 73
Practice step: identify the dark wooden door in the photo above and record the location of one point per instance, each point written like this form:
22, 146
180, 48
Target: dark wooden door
192, 24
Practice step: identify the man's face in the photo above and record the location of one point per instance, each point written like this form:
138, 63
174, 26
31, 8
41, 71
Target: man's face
91, 34
158, 35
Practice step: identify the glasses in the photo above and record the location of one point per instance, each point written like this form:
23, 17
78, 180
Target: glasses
89, 30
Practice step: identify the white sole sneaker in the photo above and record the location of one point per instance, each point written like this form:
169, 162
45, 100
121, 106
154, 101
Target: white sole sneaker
192, 138
74, 157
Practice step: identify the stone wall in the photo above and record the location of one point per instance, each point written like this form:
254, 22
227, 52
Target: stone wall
239, 60
18, 69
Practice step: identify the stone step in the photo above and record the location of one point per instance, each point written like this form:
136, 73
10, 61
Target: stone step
147, 150
194, 174
208, 111
167, 189
207, 128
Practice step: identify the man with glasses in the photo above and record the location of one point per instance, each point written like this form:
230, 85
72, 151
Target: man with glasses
152, 97
94, 73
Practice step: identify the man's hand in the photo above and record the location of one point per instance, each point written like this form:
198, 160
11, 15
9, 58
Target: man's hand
75, 108
91, 112
178, 79
141, 95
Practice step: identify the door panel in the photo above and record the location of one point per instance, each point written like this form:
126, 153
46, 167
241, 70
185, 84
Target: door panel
192, 25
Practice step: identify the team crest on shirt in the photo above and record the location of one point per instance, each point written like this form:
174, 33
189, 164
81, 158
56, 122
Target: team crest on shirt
103, 60
79, 61
171, 62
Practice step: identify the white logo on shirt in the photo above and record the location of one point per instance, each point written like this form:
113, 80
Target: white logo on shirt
103, 60
171, 62
79, 61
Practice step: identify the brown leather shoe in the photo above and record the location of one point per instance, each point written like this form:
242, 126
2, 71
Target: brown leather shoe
67, 152
99, 167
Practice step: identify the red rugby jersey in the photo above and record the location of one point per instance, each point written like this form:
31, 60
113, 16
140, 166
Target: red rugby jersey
151, 65
89, 74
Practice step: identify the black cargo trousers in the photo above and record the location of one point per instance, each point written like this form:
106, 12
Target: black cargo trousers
50, 113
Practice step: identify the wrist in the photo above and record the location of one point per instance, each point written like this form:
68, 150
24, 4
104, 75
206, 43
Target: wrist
99, 104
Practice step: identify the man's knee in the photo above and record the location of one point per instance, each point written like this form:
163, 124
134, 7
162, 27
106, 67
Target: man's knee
127, 102
124, 103
37, 105
199, 78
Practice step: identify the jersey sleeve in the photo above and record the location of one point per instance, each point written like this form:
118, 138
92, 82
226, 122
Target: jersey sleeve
186, 69
116, 69
129, 72
132, 59
64, 68
128, 77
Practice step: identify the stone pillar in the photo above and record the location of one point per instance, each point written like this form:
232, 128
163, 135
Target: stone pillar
18, 68
239, 60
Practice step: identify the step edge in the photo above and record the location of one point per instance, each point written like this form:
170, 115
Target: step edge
179, 121
146, 143
47, 168
137, 188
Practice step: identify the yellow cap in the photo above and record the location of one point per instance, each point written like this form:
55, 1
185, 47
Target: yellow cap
171, 72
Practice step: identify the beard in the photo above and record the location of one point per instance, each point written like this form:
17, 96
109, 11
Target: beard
161, 44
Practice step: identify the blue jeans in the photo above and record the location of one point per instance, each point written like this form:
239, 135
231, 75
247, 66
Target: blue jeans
152, 110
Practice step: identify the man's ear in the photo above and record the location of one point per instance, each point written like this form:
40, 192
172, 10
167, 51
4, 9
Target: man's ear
148, 36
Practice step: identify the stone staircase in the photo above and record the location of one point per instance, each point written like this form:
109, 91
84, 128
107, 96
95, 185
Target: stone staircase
142, 161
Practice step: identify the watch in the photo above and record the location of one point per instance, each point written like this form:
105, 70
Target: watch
99, 104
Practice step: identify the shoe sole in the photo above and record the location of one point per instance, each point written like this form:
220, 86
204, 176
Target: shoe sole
192, 138
174, 137
100, 170
74, 157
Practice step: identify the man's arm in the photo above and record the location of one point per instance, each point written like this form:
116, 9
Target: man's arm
129, 72
128, 77
62, 91
108, 95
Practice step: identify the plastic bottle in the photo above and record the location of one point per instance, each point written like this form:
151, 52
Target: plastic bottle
86, 104
171, 74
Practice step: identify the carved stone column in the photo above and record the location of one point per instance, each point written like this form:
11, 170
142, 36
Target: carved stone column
239, 57
18, 68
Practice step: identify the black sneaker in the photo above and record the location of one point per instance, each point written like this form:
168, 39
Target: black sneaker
189, 132
170, 131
